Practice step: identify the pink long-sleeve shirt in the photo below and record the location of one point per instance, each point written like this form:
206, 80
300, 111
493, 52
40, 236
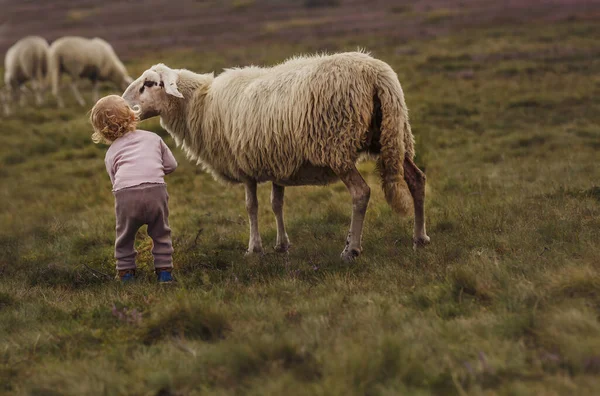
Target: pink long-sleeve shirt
138, 157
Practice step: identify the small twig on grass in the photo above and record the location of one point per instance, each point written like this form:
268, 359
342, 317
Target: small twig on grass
546, 249
95, 272
180, 345
35, 344
198, 236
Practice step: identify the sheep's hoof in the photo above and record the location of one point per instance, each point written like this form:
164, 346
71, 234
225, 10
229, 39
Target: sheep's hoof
349, 255
420, 242
255, 251
282, 247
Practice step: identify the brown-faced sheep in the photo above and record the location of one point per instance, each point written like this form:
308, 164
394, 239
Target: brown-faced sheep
81, 57
303, 122
26, 61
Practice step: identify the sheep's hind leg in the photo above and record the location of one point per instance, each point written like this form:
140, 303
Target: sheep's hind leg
255, 243
360, 192
415, 179
76, 93
283, 242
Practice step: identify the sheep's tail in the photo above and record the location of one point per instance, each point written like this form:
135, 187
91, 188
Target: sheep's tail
396, 142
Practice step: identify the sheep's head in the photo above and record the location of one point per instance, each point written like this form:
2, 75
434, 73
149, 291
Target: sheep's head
153, 91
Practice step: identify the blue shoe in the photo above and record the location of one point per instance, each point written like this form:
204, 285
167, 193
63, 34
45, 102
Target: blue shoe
127, 276
164, 275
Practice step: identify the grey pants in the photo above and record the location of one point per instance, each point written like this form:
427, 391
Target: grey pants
134, 207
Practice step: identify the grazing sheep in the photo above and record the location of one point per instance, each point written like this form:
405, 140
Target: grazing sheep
304, 122
26, 61
80, 57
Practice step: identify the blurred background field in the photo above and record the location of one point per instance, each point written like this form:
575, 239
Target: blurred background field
503, 99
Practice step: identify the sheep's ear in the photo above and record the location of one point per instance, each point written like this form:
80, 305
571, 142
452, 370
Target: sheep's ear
169, 79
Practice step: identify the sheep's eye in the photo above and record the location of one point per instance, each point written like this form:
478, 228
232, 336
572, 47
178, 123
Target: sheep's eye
148, 84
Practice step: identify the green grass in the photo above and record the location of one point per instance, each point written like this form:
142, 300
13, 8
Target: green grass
504, 301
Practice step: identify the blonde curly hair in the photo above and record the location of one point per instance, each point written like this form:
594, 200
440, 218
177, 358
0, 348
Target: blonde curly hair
111, 117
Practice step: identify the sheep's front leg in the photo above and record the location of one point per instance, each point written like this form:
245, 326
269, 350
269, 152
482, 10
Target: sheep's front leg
59, 100
56, 88
16, 95
415, 179
283, 242
76, 93
23, 97
360, 192
37, 91
255, 244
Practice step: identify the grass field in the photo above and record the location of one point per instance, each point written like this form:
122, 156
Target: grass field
505, 300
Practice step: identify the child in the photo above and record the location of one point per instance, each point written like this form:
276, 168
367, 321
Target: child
136, 162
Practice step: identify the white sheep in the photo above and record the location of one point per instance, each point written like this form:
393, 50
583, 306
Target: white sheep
304, 122
26, 61
81, 57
